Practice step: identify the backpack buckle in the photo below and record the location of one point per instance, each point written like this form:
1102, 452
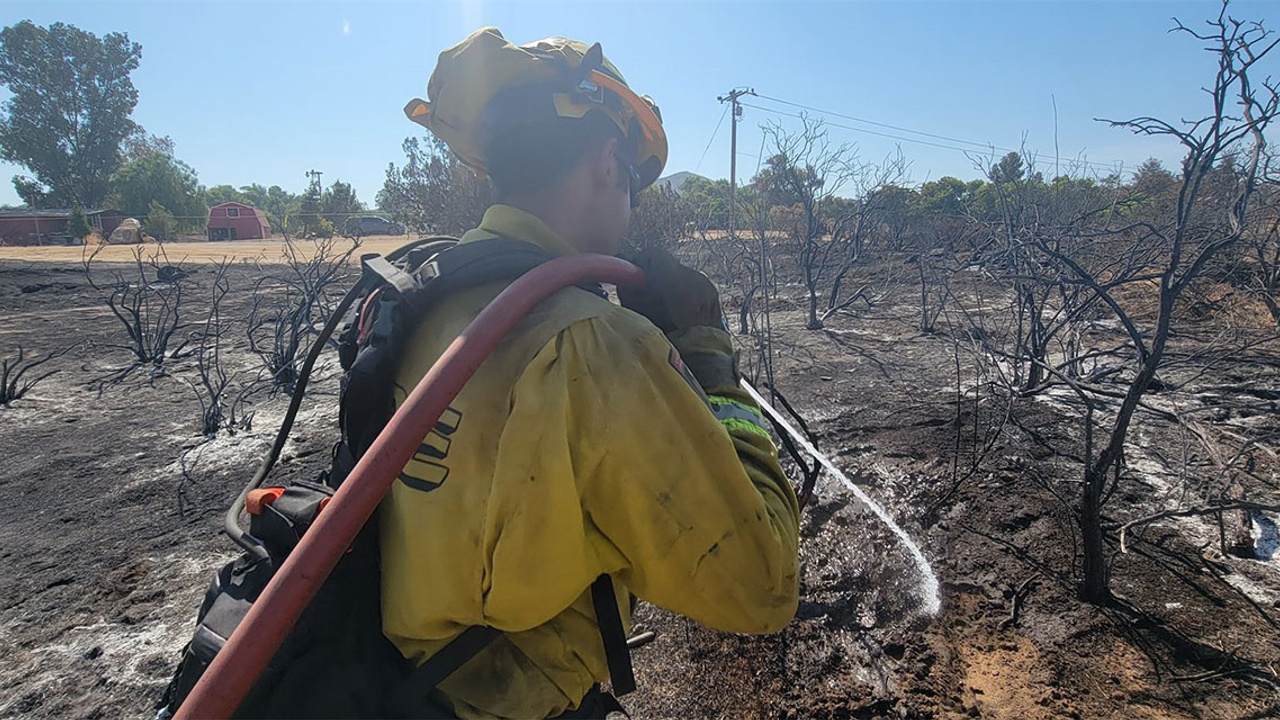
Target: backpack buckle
403, 282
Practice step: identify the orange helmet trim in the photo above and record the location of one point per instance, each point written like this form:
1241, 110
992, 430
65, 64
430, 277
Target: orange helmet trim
649, 122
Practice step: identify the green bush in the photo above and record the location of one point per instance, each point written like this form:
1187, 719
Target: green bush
160, 223
324, 229
78, 226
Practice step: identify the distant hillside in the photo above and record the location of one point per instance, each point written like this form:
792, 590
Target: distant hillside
676, 180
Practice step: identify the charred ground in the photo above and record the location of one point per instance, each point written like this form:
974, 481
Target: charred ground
112, 502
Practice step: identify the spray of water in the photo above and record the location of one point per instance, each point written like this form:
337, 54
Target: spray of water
929, 581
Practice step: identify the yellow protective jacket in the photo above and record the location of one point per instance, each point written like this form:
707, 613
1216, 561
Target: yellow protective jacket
579, 448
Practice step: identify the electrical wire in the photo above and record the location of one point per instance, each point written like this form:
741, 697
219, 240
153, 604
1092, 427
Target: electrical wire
761, 155
861, 130
877, 124
713, 139
984, 146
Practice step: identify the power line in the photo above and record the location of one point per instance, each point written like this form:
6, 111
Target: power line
878, 124
984, 146
863, 130
713, 139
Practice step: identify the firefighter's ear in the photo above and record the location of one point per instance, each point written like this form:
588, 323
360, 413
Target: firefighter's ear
605, 165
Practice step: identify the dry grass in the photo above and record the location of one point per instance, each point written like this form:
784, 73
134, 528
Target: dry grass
266, 251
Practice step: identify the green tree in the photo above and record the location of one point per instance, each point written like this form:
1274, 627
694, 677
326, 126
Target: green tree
1154, 187
255, 195
1010, 169
944, 197
69, 109
32, 193
219, 194
1152, 178
339, 202
160, 224
324, 228
939, 214
786, 181
433, 192
161, 179
309, 209
142, 143
78, 226
708, 199
275, 200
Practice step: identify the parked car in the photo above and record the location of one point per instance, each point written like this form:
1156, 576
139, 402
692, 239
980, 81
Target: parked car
371, 225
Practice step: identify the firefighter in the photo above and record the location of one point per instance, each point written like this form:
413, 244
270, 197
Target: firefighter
598, 440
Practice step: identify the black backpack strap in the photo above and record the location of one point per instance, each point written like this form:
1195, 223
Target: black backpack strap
479, 262
424, 678
449, 658
616, 652
414, 696
471, 264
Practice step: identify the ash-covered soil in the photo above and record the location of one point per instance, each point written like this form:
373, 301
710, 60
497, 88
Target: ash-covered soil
111, 505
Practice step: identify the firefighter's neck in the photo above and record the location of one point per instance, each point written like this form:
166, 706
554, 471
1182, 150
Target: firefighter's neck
555, 216
564, 213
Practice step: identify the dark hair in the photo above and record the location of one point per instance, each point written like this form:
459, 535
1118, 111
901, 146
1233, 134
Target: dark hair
528, 148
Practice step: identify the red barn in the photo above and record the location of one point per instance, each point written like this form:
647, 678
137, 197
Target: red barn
49, 227
237, 221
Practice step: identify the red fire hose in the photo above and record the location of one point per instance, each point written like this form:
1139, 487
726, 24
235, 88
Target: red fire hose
237, 666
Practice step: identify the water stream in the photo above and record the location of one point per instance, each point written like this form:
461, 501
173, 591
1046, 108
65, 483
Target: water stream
932, 601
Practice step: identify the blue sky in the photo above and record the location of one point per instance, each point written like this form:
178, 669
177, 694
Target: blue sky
263, 92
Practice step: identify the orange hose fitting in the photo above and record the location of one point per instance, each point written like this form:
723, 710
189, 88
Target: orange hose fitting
261, 498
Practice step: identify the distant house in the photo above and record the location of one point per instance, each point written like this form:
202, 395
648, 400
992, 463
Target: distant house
237, 221
676, 181
49, 227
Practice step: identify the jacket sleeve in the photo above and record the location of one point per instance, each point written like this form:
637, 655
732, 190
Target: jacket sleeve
682, 494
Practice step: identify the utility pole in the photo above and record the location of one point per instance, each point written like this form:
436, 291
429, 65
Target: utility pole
732, 97
314, 176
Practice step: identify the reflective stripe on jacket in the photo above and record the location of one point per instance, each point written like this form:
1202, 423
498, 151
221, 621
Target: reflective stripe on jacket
582, 446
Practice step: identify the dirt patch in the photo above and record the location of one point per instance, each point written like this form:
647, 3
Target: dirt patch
247, 251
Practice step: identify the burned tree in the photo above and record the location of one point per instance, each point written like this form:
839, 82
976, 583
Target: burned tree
290, 301
802, 177
146, 299
1031, 232
661, 219
1201, 227
877, 212
1262, 241
942, 232
828, 234
222, 396
1096, 278
746, 257
19, 375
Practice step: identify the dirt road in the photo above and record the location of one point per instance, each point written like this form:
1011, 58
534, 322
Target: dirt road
265, 251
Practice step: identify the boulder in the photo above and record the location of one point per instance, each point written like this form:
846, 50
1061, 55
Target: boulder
129, 232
